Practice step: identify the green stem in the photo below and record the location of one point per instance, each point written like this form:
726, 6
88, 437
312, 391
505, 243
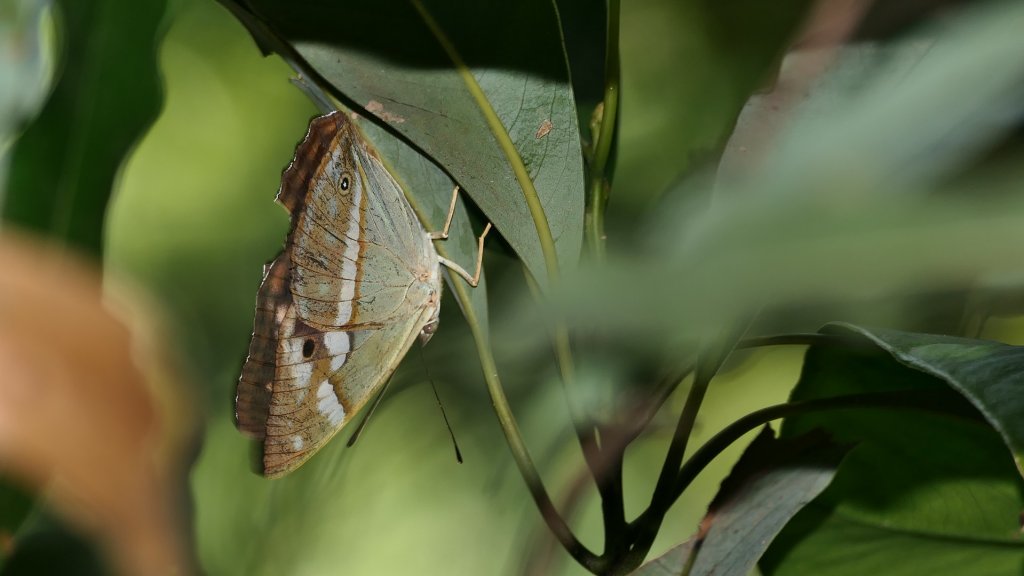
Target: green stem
582, 424
681, 437
555, 522
709, 361
600, 174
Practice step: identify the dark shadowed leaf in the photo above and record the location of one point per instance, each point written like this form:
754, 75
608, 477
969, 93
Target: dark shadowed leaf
922, 492
584, 27
773, 480
108, 92
16, 505
488, 98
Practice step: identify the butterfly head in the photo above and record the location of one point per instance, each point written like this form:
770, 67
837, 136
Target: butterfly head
428, 329
430, 283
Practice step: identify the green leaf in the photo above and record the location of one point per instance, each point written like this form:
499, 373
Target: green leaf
922, 492
989, 374
746, 255
63, 166
773, 480
491, 103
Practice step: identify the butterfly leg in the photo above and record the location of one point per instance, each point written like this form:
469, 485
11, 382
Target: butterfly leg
474, 278
443, 234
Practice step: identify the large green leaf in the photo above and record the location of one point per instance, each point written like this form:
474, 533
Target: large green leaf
989, 374
108, 92
487, 97
921, 493
773, 480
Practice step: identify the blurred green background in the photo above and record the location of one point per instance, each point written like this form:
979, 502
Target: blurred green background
193, 220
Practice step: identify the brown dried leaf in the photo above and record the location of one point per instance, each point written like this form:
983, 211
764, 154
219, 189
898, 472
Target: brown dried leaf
86, 410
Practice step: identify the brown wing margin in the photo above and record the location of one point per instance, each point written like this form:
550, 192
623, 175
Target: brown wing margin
317, 144
255, 386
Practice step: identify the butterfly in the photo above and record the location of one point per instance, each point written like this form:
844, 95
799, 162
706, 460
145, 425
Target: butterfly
358, 281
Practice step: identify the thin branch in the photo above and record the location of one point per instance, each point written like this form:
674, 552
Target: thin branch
521, 455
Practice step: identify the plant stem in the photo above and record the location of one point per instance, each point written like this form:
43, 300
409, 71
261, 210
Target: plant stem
600, 173
521, 455
645, 527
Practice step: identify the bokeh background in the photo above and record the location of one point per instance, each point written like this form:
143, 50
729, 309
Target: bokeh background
192, 222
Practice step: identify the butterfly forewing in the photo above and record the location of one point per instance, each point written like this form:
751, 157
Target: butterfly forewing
341, 305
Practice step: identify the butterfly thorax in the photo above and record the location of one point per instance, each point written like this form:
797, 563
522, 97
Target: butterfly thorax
428, 286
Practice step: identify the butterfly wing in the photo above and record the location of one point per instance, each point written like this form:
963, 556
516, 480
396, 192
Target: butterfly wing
341, 305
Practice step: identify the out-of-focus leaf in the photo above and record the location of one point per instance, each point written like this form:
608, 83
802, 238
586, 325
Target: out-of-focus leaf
921, 492
108, 92
47, 546
840, 199
831, 22
687, 69
22, 62
750, 255
488, 97
773, 480
88, 409
903, 115
22, 69
15, 506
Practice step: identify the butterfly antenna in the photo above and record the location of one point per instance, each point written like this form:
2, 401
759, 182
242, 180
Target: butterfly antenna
451, 433
366, 417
